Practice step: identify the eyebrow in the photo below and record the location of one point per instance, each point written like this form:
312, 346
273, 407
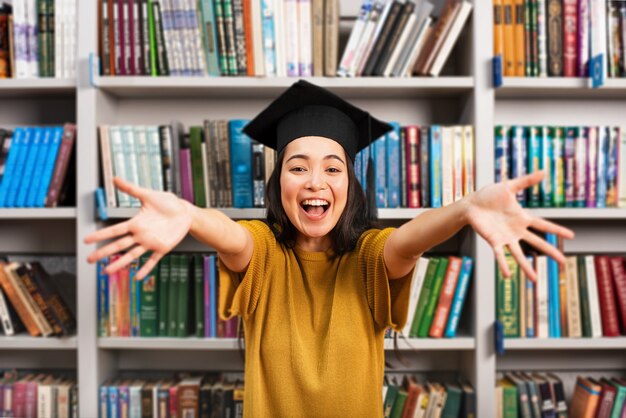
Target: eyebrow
306, 157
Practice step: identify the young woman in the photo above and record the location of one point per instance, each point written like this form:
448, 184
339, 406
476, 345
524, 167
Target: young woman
316, 284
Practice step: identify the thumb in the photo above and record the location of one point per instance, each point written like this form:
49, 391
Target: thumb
129, 188
529, 180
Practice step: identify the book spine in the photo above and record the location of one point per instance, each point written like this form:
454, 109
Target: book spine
592, 155
518, 162
22, 147
459, 297
258, 174
570, 24
431, 303
547, 191
380, 171
305, 27
601, 166
457, 162
62, 164
594, 298
413, 166
612, 167
582, 37
241, 165
608, 307
558, 166
580, 156
353, 41
209, 31
424, 162
501, 162
154, 157
507, 306
534, 158
435, 166
393, 165
292, 33
570, 164
269, 41
182, 302
442, 311
619, 280
240, 37
34, 164
229, 31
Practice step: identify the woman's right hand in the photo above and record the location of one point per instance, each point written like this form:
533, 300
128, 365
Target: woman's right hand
162, 222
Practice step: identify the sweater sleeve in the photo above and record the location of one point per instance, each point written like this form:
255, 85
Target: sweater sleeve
239, 292
388, 300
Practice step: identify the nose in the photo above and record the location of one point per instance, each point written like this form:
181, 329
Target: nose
316, 182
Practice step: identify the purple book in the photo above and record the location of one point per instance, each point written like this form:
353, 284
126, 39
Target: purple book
592, 150
185, 174
207, 296
570, 148
582, 47
119, 38
19, 399
230, 329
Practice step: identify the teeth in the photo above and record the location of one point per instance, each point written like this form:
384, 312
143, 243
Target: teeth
315, 202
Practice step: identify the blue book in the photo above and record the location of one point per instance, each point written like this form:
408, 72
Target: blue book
240, 164
530, 303
601, 166
380, 171
18, 169
269, 44
518, 158
134, 299
209, 29
29, 166
546, 165
212, 290
459, 297
40, 161
114, 402
365, 162
435, 166
104, 401
358, 167
393, 166
569, 158
103, 299
9, 168
533, 146
48, 168
554, 305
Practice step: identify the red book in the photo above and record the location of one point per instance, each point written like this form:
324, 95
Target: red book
61, 165
412, 166
607, 399
570, 26
608, 307
413, 389
19, 397
173, 401
119, 38
619, 279
445, 298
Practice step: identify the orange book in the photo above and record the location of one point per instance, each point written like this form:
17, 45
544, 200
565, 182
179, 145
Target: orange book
247, 27
508, 41
563, 294
18, 303
123, 313
585, 399
445, 298
498, 28
519, 36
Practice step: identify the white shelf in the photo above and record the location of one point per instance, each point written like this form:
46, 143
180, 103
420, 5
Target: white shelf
38, 213
617, 343
192, 343
250, 87
36, 86
559, 87
37, 343
233, 213
580, 213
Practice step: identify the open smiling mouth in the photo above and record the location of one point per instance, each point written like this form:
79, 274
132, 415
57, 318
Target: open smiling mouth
315, 207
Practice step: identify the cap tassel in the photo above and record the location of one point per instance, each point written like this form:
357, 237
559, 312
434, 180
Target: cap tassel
370, 194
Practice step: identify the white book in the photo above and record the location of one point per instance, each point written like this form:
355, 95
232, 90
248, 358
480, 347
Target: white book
182, 36
130, 159
468, 159
594, 298
542, 296
20, 39
167, 22
305, 32
32, 35
371, 29
134, 409
70, 32
447, 166
205, 174
119, 164
279, 38
409, 28
425, 29
621, 167
542, 38
450, 39
457, 160
598, 33
419, 272
45, 402
143, 156
5, 318
59, 7
292, 36
196, 32
106, 159
574, 323
355, 37
63, 399
156, 162
257, 38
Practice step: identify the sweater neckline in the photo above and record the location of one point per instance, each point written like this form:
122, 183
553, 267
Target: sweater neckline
314, 255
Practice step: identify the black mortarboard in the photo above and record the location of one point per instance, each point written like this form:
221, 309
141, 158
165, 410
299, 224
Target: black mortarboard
305, 109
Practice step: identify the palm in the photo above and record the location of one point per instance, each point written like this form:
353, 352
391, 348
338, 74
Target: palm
162, 222
495, 214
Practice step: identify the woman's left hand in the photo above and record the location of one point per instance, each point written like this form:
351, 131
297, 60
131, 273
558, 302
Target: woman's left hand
495, 214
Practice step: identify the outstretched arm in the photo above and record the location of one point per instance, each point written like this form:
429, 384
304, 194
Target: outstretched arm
161, 224
493, 212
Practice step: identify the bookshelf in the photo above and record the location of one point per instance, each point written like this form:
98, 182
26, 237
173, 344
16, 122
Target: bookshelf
469, 98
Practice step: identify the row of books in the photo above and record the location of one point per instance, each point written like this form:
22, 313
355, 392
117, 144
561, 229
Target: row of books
420, 166
178, 298
215, 37
29, 394
407, 397
604, 397
571, 38
214, 165
395, 38
586, 298
38, 38
585, 166
30, 299
37, 166
438, 291
179, 395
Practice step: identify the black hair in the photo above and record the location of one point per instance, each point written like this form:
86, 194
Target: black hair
354, 220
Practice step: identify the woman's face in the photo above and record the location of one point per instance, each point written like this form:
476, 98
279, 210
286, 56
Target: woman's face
314, 184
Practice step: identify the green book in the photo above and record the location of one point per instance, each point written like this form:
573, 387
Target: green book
390, 399
509, 399
453, 401
164, 291
585, 312
398, 405
198, 268
153, 47
196, 139
433, 298
182, 303
507, 299
620, 397
534, 156
558, 166
148, 315
172, 298
134, 297
429, 277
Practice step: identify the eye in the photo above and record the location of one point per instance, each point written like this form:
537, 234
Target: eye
297, 169
333, 170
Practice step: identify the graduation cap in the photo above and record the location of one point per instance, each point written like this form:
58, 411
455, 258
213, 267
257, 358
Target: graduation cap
305, 109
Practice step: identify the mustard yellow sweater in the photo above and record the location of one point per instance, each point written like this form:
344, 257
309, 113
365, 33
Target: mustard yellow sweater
314, 341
